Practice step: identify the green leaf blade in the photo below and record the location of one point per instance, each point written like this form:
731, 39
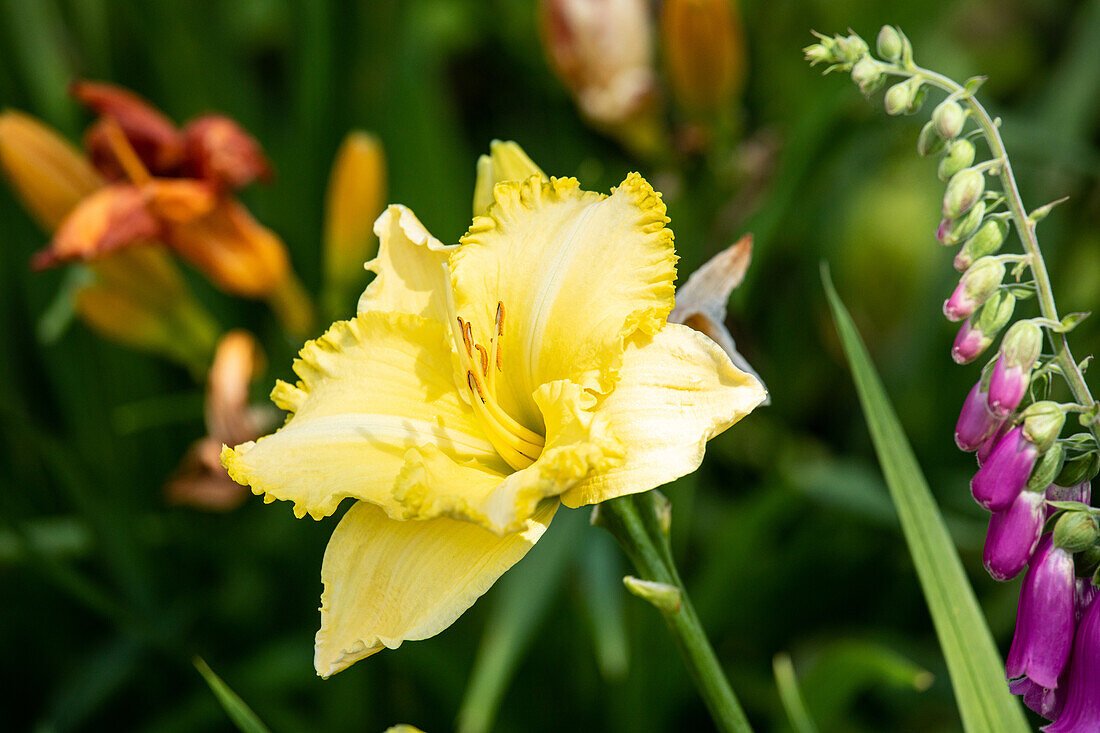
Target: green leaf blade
236, 708
973, 662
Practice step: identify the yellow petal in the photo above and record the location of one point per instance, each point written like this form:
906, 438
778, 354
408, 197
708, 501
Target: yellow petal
388, 581
577, 273
506, 161
409, 268
677, 390
371, 389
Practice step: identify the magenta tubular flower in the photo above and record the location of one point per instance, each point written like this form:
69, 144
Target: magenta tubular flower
976, 423
1007, 386
985, 450
1013, 535
1081, 711
969, 343
961, 304
1001, 479
1046, 618
1082, 492
1043, 700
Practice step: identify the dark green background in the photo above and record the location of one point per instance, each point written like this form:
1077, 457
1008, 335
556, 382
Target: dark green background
786, 537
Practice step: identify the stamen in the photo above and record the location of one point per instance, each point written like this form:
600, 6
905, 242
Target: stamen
484, 358
125, 153
466, 335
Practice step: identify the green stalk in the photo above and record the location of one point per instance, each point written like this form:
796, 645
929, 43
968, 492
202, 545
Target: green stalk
635, 525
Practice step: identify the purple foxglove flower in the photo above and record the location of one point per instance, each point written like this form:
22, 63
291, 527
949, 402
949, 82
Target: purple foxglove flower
1007, 386
1082, 492
976, 423
1013, 535
1045, 619
1081, 711
1043, 700
1001, 479
985, 450
969, 344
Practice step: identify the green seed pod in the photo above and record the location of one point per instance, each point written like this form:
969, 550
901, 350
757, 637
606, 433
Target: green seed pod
959, 229
929, 143
1047, 468
958, 154
889, 44
1043, 422
1078, 470
948, 117
867, 75
963, 191
1075, 531
986, 241
899, 97
996, 312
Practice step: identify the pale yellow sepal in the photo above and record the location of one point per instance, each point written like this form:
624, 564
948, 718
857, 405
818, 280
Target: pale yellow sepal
389, 581
676, 391
506, 161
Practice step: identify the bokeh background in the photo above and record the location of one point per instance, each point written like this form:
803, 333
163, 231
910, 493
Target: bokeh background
786, 536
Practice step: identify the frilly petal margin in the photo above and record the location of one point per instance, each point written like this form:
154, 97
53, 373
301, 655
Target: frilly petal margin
676, 390
371, 389
389, 581
577, 273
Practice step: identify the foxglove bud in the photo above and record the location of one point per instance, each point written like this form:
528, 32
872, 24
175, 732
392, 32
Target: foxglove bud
902, 97
928, 142
976, 423
1080, 469
977, 334
970, 342
1012, 372
889, 43
1081, 711
1043, 423
1001, 478
985, 450
948, 117
867, 75
1075, 531
986, 241
958, 154
963, 191
1013, 535
1047, 468
953, 231
1045, 619
974, 288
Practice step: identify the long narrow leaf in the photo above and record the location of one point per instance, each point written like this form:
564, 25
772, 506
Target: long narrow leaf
791, 696
236, 708
976, 668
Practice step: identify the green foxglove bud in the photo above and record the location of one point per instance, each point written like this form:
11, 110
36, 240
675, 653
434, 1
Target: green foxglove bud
1076, 531
986, 241
948, 117
1087, 561
929, 143
1047, 469
975, 287
1043, 423
996, 312
867, 74
889, 43
902, 97
963, 191
958, 154
953, 231
1022, 345
1078, 470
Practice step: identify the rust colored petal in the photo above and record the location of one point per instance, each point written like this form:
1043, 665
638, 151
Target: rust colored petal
236, 252
180, 200
219, 150
201, 481
157, 140
112, 217
237, 361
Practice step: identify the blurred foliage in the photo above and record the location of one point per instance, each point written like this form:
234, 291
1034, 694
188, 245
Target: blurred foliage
784, 538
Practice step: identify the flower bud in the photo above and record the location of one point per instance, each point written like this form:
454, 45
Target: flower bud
1078, 470
1013, 536
948, 117
928, 142
1042, 423
1001, 478
902, 97
666, 598
976, 423
953, 231
889, 44
867, 75
1047, 468
1046, 618
506, 161
1012, 372
970, 342
963, 191
986, 241
976, 335
704, 53
1081, 711
48, 174
1075, 531
985, 450
974, 288
996, 312
958, 154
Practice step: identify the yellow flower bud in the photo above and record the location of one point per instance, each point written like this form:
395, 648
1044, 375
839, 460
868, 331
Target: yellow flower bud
704, 52
506, 161
48, 173
355, 198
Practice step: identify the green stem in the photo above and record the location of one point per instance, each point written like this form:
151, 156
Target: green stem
1024, 227
636, 527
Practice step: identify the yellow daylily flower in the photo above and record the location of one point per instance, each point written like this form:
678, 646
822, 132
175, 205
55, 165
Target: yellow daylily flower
479, 386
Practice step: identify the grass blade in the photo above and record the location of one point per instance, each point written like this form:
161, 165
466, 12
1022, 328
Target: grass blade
236, 708
976, 668
790, 696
